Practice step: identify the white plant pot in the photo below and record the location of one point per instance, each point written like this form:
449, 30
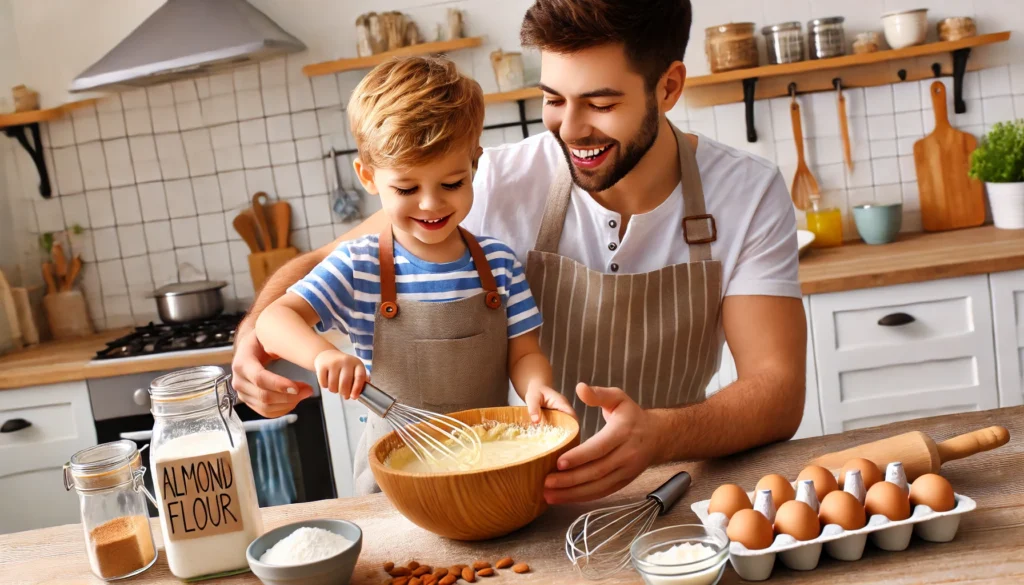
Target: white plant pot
1007, 200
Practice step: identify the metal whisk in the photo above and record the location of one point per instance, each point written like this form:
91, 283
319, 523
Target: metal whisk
424, 432
598, 542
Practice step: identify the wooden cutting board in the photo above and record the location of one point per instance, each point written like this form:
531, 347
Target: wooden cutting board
949, 198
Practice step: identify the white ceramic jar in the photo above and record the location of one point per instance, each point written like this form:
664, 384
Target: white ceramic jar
905, 28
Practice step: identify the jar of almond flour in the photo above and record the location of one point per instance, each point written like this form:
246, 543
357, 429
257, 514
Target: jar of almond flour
112, 497
202, 476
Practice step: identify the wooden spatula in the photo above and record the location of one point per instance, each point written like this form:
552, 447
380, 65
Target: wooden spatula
805, 186
917, 451
246, 227
844, 126
259, 200
279, 215
949, 198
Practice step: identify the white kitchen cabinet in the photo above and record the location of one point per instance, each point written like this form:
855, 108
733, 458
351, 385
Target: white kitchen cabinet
810, 424
900, 352
32, 458
1008, 320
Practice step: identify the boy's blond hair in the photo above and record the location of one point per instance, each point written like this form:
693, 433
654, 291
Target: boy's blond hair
408, 111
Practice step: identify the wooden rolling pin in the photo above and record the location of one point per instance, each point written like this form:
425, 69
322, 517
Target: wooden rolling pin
917, 451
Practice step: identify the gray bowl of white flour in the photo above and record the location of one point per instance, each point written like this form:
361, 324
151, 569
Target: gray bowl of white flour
311, 552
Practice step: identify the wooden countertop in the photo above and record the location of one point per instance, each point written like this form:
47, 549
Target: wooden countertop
989, 546
912, 258
66, 361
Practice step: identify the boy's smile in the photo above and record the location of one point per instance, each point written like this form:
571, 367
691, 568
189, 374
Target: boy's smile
426, 203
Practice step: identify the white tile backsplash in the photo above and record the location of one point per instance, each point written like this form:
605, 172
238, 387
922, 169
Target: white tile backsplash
76, 210
224, 136
68, 170
185, 231
154, 201
233, 191
101, 208
87, 126
112, 124
300, 95
275, 100
180, 202
132, 239
997, 109
165, 118
222, 83
906, 97
228, 158
878, 100
995, 82
62, 133
304, 125
138, 122
158, 237
255, 156
190, 116
105, 244
94, 166
286, 179
211, 228
250, 104
206, 191
886, 171
253, 131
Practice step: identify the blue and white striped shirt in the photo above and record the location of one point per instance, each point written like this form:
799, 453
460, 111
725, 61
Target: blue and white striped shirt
344, 289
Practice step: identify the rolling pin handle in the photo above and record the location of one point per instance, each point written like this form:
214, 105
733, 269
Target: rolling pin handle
971, 443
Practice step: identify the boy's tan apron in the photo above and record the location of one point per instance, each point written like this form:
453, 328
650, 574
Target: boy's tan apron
439, 356
655, 335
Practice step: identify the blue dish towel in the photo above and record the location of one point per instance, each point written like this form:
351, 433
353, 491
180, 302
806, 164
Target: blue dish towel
272, 469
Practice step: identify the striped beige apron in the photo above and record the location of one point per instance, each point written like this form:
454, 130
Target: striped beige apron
654, 335
439, 356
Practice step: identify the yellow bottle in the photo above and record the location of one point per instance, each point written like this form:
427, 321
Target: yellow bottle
826, 224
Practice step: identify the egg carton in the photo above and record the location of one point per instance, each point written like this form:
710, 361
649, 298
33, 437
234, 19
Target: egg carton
840, 544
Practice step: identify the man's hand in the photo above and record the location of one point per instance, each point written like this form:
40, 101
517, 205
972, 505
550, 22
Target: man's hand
609, 460
264, 391
539, 396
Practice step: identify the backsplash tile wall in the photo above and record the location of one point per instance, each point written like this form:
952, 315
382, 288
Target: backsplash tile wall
155, 176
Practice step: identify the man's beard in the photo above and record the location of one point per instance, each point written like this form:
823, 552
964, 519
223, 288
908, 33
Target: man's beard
627, 159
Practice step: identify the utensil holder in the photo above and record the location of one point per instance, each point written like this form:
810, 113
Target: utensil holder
68, 314
263, 264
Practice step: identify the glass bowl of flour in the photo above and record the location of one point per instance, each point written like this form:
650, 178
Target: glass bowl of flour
311, 552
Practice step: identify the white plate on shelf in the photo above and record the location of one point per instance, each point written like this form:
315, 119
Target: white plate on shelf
803, 241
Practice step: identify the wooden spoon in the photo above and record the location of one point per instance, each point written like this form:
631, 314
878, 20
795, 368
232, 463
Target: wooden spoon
51, 283
59, 261
281, 222
69, 280
261, 218
844, 129
246, 227
805, 186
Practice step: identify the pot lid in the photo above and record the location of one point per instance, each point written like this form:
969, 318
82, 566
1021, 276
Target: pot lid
186, 288
828, 20
782, 26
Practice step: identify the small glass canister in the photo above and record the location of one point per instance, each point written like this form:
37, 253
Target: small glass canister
785, 42
825, 37
730, 46
112, 497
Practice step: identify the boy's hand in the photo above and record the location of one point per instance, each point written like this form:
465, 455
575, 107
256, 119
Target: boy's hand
540, 396
340, 373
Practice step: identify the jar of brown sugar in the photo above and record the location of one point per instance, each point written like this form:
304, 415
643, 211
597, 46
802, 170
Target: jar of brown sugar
730, 46
112, 498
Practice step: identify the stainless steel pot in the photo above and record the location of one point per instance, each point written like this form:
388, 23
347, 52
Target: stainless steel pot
189, 301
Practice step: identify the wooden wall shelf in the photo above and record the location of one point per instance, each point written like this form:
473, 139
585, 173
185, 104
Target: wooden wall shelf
527, 93
866, 70
18, 126
339, 65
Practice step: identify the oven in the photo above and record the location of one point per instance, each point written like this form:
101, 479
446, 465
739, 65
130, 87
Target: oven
120, 407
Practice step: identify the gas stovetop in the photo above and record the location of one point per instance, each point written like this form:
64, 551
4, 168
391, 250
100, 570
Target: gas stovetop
216, 332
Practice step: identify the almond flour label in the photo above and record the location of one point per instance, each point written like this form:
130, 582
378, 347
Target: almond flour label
199, 495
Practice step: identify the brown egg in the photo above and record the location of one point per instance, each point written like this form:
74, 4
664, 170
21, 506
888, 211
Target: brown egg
750, 528
798, 520
843, 509
782, 490
824, 481
887, 499
869, 472
934, 491
728, 499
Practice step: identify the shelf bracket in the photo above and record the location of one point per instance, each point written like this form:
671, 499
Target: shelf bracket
522, 123
959, 68
18, 133
749, 85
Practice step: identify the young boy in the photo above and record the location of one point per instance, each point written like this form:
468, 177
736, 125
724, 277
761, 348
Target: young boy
441, 320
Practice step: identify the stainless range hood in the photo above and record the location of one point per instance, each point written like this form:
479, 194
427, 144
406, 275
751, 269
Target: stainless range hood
184, 38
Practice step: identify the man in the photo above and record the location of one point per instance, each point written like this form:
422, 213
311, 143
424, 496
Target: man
643, 246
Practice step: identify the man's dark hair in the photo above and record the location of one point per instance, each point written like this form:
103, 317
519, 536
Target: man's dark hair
653, 32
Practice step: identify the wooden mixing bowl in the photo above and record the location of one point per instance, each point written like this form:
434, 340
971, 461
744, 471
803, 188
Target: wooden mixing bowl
474, 505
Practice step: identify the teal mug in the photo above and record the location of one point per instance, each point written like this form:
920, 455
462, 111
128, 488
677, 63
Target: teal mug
878, 224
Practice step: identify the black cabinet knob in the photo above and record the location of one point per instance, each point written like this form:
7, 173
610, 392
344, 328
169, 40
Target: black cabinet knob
895, 320
14, 425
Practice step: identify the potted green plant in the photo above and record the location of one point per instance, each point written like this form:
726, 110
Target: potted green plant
999, 162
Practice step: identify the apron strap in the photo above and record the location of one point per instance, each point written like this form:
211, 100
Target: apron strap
388, 290
699, 228
483, 269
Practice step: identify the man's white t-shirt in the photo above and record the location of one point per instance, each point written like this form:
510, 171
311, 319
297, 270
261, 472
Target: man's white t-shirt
746, 194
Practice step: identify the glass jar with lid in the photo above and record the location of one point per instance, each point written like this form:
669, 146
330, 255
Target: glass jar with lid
202, 476
730, 46
112, 499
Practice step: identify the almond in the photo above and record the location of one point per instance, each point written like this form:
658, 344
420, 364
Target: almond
504, 563
415, 581
481, 565
413, 565
388, 566
440, 573
429, 579
448, 580
469, 575
420, 571
399, 572
521, 568
400, 581
456, 570
486, 572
